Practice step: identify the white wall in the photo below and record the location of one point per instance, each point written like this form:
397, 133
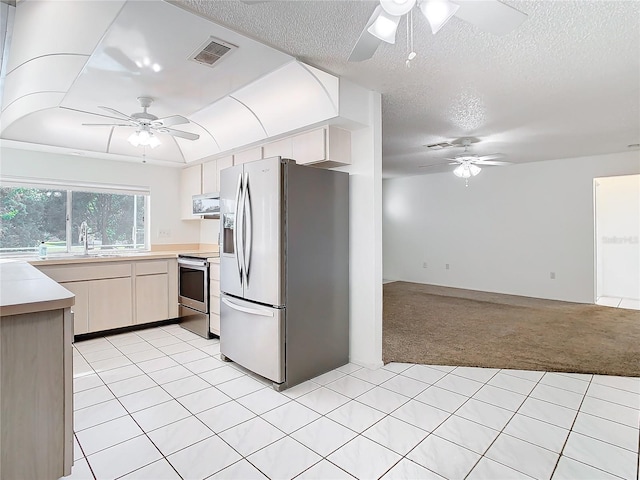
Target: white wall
617, 236
163, 182
365, 231
504, 233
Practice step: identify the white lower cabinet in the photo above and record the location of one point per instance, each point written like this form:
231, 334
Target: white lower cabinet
111, 295
152, 298
110, 304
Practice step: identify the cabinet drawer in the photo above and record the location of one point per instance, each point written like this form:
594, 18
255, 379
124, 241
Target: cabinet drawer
152, 267
92, 271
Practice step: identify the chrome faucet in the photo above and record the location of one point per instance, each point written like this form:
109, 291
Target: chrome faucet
84, 236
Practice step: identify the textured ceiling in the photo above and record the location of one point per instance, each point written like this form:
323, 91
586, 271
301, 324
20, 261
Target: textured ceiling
566, 83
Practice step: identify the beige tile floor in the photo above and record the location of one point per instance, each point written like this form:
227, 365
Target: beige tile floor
159, 404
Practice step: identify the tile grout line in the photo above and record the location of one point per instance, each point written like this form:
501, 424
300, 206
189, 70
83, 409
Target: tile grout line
349, 400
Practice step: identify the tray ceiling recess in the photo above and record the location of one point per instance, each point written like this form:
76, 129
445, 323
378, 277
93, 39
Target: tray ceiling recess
233, 90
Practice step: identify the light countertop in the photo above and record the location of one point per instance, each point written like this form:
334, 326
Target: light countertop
97, 258
24, 289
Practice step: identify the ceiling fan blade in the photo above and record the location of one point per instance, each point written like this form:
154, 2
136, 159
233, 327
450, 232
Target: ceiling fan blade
179, 133
490, 15
435, 165
170, 121
108, 125
491, 156
492, 163
109, 109
367, 44
96, 114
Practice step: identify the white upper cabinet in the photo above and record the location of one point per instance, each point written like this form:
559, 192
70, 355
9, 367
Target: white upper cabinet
210, 177
221, 164
247, 155
190, 184
279, 148
324, 147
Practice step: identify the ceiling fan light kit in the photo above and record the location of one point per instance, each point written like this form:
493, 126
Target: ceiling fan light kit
384, 27
143, 138
488, 15
466, 170
438, 12
397, 7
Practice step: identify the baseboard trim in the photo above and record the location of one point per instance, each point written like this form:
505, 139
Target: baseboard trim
128, 328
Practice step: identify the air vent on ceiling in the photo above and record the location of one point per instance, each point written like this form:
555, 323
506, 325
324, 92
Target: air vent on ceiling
439, 146
212, 51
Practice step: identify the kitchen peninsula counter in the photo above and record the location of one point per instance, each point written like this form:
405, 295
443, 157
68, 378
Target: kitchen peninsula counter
36, 374
24, 289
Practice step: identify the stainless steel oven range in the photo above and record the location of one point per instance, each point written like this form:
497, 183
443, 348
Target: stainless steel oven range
193, 292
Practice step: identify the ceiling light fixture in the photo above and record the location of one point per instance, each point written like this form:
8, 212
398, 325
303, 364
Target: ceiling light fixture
438, 12
466, 170
143, 138
397, 7
384, 27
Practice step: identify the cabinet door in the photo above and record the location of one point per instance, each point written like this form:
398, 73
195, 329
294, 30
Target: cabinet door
81, 307
221, 164
110, 304
309, 147
152, 298
281, 148
247, 156
190, 184
210, 177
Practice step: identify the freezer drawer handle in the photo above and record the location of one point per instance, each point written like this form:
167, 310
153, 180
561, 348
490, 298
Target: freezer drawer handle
252, 311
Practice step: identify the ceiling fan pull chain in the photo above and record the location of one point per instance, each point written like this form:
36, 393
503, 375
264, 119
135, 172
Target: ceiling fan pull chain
412, 54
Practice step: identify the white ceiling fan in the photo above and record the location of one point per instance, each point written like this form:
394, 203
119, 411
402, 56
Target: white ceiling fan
146, 124
489, 15
468, 164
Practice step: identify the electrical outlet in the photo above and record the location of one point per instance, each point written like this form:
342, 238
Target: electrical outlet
424, 265
164, 233
552, 275
446, 266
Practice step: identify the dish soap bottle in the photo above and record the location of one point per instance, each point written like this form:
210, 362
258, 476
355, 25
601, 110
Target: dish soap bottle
42, 251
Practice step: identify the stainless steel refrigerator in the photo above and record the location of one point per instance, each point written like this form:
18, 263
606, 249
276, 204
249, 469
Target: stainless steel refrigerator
284, 266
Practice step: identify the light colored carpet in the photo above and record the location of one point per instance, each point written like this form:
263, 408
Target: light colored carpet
447, 326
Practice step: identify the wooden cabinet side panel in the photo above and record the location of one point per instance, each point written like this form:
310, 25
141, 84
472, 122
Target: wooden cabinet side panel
110, 304
68, 327
81, 307
32, 399
152, 298
173, 288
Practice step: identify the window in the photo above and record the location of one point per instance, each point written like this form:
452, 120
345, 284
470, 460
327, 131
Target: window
30, 214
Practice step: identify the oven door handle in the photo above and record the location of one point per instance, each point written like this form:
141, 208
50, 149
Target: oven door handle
251, 311
237, 226
193, 263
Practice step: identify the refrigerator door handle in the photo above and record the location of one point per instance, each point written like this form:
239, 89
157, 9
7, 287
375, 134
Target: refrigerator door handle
251, 311
249, 224
243, 235
237, 226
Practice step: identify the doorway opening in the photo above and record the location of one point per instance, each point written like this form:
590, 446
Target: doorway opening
617, 242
